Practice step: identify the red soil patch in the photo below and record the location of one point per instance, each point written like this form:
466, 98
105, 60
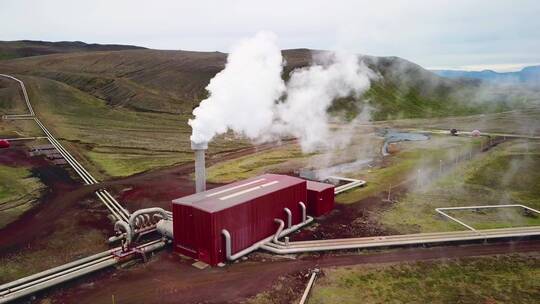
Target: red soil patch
16, 157
59, 200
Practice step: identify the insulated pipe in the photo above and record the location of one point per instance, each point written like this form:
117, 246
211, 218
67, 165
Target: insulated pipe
228, 246
111, 198
134, 215
341, 244
304, 212
69, 273
58, 274
289, 217
57, 269
119, 225
278, 232
139, 232
395, 239
63, 278
200, 169
165, 228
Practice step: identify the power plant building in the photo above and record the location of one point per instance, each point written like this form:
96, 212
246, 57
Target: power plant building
246, 209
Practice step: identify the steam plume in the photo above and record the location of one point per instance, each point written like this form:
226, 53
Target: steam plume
250, 98
243, 95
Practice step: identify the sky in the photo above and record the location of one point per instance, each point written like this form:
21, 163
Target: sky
502, 35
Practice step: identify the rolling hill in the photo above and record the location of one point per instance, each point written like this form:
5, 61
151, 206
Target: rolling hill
27, 48
125, 111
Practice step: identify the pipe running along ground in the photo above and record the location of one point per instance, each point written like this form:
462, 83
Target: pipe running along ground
228, 244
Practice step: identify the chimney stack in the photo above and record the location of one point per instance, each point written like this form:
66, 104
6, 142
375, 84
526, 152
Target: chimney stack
200, 170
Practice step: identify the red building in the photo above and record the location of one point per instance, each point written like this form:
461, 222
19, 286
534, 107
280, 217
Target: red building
320, 198
246, 209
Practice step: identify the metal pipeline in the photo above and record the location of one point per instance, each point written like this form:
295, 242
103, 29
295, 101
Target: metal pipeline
278, 232
132, 218
46, 279
228, 246
304, 212
289, 217
119, 225
138, 232
57, 269
165, 228
398, 240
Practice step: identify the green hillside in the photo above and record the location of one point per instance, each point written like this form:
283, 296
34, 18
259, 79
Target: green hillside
126, 111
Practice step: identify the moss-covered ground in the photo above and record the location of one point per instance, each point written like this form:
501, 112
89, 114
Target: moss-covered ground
18, 191
508, 174
499, 279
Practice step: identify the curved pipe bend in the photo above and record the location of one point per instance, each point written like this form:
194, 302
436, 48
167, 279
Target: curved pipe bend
119, 225
304, 211
275, 239
259, 244
133, 217
289, 217
228, 249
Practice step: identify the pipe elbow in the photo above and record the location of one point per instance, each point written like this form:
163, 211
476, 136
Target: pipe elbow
122, 225
304, 211
228, 249
289, 217
281, 224
133, 221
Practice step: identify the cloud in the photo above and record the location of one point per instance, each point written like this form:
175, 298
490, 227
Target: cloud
429, 32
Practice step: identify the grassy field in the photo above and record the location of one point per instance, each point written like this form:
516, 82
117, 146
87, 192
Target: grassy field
499, 279
11, 100
289, 158
275, 161
404, 166
521, 121
19, 128
18, 190
508, 174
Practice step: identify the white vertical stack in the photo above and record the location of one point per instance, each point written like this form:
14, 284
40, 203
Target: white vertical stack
200, 170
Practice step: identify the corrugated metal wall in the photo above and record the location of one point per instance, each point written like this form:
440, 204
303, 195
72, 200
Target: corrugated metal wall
320, 200
197, 233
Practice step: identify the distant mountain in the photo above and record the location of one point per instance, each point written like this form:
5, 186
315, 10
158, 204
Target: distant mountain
174, 81
528, 75
27, 48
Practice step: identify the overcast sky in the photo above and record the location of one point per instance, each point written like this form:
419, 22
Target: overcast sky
471, 34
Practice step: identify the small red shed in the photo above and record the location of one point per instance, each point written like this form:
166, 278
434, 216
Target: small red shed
246, 209
4, 144
320, 198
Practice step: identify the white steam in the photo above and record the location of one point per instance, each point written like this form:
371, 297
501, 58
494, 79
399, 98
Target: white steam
311, 91
242, 95
250, 98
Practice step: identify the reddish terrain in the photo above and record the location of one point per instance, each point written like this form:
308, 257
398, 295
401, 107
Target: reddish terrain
167, 279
